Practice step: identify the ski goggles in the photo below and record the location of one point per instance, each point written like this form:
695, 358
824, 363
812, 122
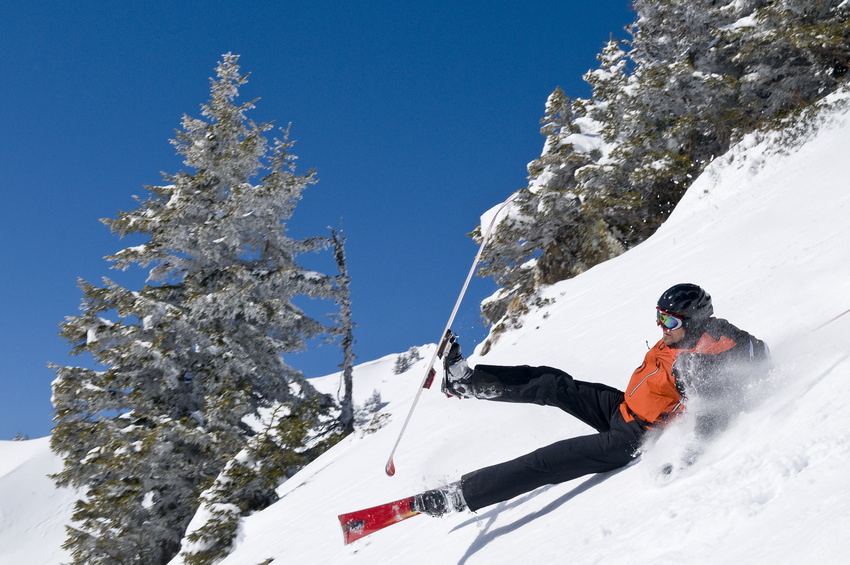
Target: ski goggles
668, 321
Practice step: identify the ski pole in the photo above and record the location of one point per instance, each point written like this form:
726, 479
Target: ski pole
429, 373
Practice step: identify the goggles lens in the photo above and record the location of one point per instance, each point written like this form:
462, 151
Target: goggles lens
669, 321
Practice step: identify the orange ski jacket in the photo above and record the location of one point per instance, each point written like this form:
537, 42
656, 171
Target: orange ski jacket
655, 396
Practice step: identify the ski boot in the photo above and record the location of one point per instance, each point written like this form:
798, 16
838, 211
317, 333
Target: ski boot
439, 502
457, 376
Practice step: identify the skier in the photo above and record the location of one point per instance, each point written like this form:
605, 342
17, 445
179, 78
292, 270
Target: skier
698, 356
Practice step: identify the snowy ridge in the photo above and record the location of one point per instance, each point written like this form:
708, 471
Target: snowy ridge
766, 233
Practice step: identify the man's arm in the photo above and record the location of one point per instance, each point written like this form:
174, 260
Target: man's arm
720, 383
711, 375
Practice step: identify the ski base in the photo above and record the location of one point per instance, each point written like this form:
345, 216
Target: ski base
361, 523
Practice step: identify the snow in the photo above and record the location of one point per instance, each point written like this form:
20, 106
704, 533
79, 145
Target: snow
765, 232
33, 513
745, 22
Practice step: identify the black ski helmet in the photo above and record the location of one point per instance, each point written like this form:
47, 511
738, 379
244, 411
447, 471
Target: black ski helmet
687, 301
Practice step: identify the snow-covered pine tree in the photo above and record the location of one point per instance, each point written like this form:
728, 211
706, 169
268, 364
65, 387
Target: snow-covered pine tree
405, 361
523, 234
131, 436
790, 52
183, 361
678, 93
288, 437
698, 75
556, 231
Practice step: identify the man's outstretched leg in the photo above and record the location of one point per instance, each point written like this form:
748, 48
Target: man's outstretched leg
556, 463
592, 403
595, 404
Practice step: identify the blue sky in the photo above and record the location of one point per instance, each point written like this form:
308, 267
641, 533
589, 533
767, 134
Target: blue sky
418, 117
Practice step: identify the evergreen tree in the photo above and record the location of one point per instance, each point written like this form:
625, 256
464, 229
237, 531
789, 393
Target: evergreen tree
187, 359
790, 52
551, 236
289, 437
405, 361
695, 77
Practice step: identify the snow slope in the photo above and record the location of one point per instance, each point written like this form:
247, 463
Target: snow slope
33, 513
766, 233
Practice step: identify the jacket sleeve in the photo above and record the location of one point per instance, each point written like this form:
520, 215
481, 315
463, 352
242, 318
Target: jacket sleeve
722, 383
726, 372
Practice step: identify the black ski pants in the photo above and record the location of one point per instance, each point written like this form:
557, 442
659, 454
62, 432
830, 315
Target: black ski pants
613, 446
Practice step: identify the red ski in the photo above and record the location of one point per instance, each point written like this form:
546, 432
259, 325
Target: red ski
361, 523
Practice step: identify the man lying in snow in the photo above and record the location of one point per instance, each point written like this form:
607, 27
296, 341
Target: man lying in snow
698, 356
